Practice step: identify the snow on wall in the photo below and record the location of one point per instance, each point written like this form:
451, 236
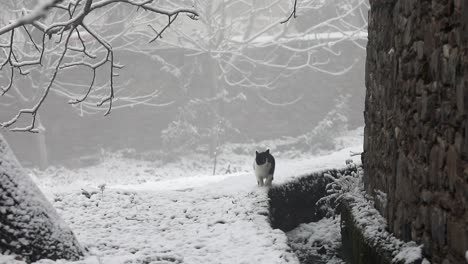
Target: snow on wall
366, 237
29, 226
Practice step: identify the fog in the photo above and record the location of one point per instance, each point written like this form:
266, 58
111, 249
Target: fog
233, 75
159, 131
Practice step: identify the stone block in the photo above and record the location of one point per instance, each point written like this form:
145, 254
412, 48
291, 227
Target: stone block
419, 47
465, 141
434, 64
451, 167
457, 236
407, 36
460, 97
434, 165
426, 197
428, 105
439, 226
425, 216
454, 38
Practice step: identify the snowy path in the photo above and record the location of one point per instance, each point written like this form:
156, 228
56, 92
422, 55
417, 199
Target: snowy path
223, 222
194, 219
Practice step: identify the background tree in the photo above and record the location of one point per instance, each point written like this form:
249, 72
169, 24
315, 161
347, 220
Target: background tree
264, 89
246, 49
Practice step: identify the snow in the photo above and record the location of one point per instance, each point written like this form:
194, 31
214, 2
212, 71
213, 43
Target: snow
374, 228
199, 225
409, 254
9, 259
152, 212
425, 261
310, 239
381, 197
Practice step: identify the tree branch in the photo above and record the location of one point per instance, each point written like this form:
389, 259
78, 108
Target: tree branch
59, 24
293, 13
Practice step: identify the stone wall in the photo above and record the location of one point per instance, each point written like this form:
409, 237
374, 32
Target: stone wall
416, 135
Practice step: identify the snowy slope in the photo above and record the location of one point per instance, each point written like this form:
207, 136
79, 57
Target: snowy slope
177, 217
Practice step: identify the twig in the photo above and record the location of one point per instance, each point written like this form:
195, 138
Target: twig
293, 13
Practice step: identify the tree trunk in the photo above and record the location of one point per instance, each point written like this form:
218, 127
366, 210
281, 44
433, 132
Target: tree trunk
43, 156
218, 36
29, 225
213, 94
41, 143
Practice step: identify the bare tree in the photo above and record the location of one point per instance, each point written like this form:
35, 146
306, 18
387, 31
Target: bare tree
67, 35
255, 45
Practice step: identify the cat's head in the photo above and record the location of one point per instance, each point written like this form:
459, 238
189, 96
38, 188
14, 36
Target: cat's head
261, 157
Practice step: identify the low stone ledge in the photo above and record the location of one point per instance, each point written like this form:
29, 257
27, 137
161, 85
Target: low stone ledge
365, 239
295, 202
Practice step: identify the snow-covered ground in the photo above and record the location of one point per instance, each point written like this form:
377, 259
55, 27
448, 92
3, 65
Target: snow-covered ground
149, 212
317, 242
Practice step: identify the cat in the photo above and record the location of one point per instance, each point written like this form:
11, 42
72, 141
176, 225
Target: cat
264, 167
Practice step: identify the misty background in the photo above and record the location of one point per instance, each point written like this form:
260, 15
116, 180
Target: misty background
235, 75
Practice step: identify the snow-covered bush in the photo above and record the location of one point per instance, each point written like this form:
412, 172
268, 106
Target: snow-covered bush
340, 185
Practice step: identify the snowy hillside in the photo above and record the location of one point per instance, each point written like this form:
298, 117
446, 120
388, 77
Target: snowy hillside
133, 211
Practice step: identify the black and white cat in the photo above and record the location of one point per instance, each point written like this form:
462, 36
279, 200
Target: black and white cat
264, 167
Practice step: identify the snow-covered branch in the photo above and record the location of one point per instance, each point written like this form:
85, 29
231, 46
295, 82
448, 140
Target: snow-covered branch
242, 37
65, 31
